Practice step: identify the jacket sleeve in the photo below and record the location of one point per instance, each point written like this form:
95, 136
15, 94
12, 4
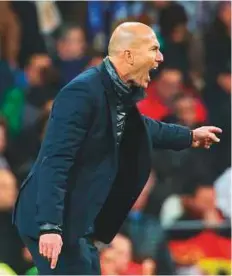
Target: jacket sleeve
168, 136
68, 125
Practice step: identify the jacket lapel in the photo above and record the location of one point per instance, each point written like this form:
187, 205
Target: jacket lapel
111, 97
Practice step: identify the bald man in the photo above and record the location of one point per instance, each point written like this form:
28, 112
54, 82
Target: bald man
96, 157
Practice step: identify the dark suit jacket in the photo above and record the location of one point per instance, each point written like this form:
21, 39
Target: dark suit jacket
81, 180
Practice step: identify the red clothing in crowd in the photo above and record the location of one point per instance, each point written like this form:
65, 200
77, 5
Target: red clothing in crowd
153, 107
133, 269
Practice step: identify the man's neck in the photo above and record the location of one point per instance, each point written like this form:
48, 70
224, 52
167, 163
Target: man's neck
122, 72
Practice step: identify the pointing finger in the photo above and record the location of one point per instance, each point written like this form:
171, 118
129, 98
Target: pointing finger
54, 259
215, 129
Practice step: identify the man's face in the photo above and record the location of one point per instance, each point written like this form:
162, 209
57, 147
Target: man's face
146, 56
123, 252
8, 190
179, 33
169, 84
185, 110
107, 261
34, 70
205, 198
73, 45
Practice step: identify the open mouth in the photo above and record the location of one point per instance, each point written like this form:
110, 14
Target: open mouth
152, 71
155, 67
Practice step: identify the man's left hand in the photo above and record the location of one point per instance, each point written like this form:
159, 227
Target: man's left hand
204, 137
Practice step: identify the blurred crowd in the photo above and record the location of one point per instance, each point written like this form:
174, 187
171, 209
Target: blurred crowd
185, 208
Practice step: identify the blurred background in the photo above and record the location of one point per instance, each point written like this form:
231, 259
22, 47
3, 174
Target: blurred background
181, 224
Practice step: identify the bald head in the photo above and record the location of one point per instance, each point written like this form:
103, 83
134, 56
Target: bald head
127, 36
134, 50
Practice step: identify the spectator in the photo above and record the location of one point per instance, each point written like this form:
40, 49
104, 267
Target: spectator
8, 187
32, 41
222, 187
21, 106
173, 22
29, 265
49, 19
188, 111
107, 261
154, 10
217, 92
218, 39
24, 150
123, 253
9, 46
3, 144
123, 250
7, 78
174, 170
11, 110
10, 249
9, 34
198, 205
160, 94
72, 56
74, 12
148, 267
42, 79
163, 91
147, 236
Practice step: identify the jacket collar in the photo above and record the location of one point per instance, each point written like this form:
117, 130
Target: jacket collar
110, 96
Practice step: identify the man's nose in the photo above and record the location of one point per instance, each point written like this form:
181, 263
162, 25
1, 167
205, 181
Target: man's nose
159, 57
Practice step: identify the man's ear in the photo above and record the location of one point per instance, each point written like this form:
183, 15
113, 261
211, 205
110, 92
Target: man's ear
129, 57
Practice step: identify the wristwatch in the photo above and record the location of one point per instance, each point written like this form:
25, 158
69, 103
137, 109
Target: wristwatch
50, 228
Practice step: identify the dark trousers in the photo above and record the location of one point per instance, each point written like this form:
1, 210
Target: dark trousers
79, 259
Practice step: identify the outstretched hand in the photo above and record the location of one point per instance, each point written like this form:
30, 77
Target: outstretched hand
204, 137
